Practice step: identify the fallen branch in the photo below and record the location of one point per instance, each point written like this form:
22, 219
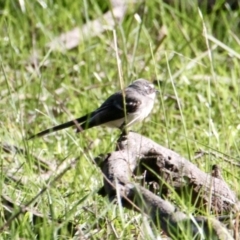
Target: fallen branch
73, 38
138, 154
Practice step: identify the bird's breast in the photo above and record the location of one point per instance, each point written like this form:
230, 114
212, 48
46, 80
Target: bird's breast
115, 123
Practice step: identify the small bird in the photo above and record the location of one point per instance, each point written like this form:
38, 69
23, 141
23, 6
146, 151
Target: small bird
120, 110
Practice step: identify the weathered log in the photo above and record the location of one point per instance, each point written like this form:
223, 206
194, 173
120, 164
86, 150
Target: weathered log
138, 154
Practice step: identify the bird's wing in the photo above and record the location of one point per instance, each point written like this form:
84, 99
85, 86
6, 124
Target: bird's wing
112, 109
107, 112
132, 101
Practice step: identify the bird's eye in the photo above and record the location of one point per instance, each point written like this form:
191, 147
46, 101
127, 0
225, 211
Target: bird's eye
151, 86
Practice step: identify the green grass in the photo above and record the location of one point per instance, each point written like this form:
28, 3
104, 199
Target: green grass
198, 108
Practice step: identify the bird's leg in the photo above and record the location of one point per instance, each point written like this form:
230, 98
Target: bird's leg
124, 132
123, 129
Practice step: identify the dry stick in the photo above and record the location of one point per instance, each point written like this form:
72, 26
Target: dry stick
200, 153
23, 209
7, 202
8, 148
78, 128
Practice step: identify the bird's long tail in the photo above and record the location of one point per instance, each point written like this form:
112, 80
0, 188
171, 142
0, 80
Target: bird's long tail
76, 122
